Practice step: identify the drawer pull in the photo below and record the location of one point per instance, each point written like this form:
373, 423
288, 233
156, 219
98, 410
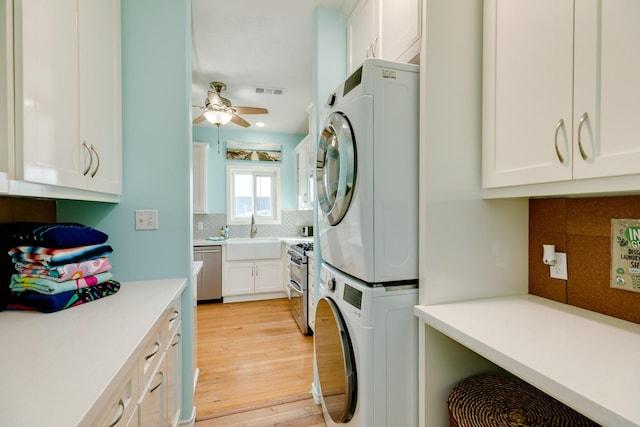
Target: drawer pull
177, 341
119, 417
176, 314
583, 119
154, 352
155, 387
558, 126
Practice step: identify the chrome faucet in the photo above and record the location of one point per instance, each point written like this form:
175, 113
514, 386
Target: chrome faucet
254, 227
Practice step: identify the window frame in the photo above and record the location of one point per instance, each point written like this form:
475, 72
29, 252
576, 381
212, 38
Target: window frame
276, 195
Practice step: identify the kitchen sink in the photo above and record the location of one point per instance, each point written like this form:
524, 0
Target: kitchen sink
246, 248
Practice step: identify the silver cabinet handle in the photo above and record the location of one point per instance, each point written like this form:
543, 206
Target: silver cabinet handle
555, 140
177, 341
583, 119
155, 387
117, 420
175, 315
154, 352
86, 147
95, 171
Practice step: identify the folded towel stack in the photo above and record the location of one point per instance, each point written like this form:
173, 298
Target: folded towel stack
59, 266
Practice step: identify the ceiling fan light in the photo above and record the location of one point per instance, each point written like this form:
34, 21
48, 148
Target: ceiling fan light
218, 117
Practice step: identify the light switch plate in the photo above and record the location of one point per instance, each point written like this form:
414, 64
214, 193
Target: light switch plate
146, 220
559, 271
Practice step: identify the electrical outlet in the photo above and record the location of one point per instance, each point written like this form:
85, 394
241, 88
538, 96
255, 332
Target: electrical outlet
559, 271
146, 220
200, 225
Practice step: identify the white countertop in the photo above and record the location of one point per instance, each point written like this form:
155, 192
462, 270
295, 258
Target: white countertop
287, 240
53, 367
587, 360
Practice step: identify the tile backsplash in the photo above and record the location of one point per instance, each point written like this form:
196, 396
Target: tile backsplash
289, 226
582, 229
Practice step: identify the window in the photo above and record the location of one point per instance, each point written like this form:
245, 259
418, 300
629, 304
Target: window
253, 190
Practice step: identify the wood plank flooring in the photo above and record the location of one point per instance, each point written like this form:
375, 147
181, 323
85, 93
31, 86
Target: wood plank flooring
254, 363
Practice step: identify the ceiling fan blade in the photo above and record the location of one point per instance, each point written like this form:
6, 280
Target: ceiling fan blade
240, 121
199, 119
251, 110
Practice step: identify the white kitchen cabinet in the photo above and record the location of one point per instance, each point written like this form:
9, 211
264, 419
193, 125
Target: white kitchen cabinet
304, 174
68, 94
252, 277
174, 377
151, 406
199, 177
6, 92
387, 29
121, 409
559, 100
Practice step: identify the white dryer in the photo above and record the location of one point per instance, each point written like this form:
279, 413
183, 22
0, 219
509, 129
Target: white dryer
366, 350
367, 174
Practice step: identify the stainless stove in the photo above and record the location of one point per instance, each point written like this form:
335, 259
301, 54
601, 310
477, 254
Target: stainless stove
297, 290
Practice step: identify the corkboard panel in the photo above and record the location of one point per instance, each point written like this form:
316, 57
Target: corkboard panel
592, 216
589, 279
548, 215
540, 283
585, 237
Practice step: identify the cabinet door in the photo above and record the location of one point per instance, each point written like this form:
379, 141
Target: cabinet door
173, 371
607, 66
268, 276
528, 72
362, 33
238, 278
46, 77
100, 94
200, 154
151, 405
400, 29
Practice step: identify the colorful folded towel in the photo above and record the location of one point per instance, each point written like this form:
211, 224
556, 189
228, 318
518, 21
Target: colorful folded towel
62, 273
58, 236
50, 257
35, 301
49, 287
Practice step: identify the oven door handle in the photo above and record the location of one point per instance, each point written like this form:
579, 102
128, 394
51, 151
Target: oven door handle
294, 286
294, 259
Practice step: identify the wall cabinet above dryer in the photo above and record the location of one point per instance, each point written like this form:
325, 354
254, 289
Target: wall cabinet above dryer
386, 29
560, 97
68, 94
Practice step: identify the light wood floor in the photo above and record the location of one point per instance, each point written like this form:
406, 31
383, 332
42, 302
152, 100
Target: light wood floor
255, 366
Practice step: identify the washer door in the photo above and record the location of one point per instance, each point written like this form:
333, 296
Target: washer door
335, 361
336, 167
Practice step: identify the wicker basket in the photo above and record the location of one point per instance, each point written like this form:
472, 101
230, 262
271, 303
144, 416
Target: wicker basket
496, 401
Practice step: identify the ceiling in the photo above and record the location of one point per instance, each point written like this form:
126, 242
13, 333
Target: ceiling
251, 44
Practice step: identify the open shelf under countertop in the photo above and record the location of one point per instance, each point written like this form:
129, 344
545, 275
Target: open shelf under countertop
587, 360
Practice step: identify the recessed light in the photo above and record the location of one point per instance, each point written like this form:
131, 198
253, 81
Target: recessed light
260, 124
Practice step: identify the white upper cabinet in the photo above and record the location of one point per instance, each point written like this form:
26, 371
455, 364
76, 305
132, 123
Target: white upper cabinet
304, 174
6, 91
387, 29
68, 94
607, 88
199, 177
560, 100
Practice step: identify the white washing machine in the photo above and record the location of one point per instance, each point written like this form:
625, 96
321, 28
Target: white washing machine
366, 349
367, 174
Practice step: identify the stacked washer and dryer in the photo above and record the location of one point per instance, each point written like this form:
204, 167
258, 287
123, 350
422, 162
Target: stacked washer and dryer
366, 336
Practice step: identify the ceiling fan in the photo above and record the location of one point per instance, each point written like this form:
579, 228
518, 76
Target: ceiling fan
219, 110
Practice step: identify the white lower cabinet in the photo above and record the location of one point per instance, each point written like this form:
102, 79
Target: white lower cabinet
252, 277
120, 409
173, 362
151, 404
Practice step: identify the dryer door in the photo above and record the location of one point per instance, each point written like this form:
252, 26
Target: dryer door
335, 361
336, 167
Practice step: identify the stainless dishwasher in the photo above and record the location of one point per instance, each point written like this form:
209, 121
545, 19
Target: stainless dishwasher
210, 276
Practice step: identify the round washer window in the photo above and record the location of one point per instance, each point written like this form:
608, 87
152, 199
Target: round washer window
336, 168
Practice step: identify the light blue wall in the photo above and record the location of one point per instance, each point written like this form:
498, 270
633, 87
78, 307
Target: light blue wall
156, 92
216, 194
